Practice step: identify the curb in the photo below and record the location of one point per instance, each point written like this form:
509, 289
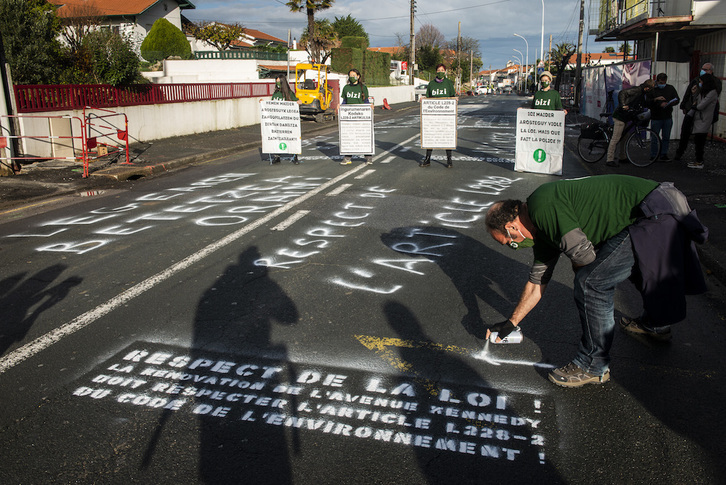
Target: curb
126, 172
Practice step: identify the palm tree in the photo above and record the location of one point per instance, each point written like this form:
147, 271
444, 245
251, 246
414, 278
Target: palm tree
310, 7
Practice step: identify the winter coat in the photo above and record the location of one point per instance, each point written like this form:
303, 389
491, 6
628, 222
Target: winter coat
702, 111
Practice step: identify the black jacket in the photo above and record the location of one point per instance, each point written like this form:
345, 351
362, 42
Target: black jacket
667, 265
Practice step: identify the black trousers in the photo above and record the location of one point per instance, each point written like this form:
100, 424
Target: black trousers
686, 130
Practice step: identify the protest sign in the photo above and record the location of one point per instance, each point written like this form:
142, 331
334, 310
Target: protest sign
280, 126
355, 128
540, 141
438, 123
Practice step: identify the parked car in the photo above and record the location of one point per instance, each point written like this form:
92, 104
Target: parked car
507, 89
420, 90
481, 90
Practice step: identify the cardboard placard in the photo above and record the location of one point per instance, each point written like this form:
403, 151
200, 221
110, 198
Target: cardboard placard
438, 123
356, 129
280, 127
540, 141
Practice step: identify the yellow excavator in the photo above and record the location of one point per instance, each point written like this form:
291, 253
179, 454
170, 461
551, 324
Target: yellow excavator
311, 87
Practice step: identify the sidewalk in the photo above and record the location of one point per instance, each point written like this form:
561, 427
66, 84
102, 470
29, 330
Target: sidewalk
706, 188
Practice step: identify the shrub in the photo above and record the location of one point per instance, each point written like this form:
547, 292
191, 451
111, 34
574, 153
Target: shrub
164, 40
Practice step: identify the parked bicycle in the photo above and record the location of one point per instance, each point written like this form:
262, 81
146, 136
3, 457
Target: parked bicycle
592, 145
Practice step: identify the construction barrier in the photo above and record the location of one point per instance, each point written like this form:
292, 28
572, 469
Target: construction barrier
98, 135
101, 128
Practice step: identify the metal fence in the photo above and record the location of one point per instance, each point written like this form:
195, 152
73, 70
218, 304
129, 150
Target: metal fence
241, 54
58, 97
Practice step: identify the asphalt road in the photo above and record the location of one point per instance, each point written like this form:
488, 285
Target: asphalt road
239, 322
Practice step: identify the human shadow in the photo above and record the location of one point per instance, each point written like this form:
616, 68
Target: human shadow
23, 299
449, 384
476, 271
234, 323
411, 153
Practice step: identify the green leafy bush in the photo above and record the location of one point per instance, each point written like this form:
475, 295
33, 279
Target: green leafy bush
165, 40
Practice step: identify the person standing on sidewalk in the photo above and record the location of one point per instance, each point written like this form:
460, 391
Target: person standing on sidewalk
705, 97
664, 97
355, 92
629, 100
284, 93
687, 104
440, 87
547, 98
609, 226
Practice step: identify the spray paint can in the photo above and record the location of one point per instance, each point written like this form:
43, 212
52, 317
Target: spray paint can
514, 337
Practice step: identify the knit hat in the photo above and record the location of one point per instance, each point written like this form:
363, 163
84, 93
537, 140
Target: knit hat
546, 73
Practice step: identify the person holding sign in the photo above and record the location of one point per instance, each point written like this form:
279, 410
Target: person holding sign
547, 98
355, 92
440, 87
284, 93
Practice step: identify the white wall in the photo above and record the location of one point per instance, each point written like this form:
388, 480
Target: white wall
153, 122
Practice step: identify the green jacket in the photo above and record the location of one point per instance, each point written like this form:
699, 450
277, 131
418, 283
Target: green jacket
575, 216
355, 94
278, 96
549, 100
443, 89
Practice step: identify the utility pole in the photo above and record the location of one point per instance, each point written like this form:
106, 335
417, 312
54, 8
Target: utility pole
549, 54
458, 60
471, 68
578, 68
412, 50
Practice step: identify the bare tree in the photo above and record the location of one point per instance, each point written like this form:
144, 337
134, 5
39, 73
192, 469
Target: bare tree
78, 20
429, 36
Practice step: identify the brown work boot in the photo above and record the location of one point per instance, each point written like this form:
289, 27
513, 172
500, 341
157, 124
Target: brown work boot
572, 375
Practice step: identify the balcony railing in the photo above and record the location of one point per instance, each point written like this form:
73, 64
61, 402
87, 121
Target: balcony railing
241, 54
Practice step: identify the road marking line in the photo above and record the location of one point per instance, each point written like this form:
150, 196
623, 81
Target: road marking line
44, 341
339, 190
364, 174
290, 220
388, 160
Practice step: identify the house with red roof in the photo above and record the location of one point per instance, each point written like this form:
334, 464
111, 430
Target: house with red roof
131, 18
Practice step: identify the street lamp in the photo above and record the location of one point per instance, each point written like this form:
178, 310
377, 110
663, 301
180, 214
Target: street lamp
541, 41
521, 59
527, 60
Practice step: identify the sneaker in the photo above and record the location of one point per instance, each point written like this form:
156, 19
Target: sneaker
369, 161
425, 164
698, 165
276, 160
635, 326
612, 163
449, 165
572, 375
346, 161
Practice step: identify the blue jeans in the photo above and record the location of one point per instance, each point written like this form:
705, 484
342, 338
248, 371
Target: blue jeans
594, 290
662, 128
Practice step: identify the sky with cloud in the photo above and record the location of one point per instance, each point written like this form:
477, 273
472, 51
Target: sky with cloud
491, 22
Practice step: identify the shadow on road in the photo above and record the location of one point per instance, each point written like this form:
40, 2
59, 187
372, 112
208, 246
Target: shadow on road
235, 317
495, 449
23, 300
